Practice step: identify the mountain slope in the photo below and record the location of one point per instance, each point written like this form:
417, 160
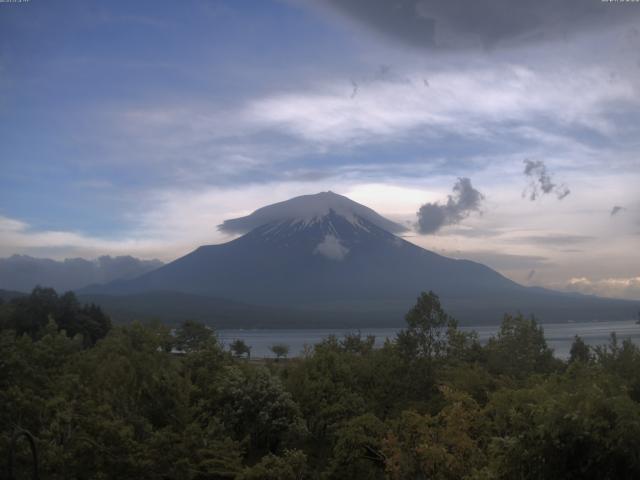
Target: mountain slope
344, 260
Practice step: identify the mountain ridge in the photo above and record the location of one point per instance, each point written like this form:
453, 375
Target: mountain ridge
345, 262
24, 272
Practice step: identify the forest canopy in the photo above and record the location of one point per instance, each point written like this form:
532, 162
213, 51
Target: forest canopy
142, 401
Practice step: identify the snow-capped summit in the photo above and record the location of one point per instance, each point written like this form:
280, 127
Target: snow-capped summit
307, 210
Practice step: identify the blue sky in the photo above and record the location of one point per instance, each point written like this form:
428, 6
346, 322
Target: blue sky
137, 127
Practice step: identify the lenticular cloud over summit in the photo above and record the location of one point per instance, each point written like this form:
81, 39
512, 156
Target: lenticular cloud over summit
308, 209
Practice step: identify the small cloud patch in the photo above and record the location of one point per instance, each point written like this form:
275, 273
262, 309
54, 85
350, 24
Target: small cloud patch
615, 210
332, 248
540, 181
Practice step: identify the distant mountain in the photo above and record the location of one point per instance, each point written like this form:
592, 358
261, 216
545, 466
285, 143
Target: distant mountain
325, 254
23, 273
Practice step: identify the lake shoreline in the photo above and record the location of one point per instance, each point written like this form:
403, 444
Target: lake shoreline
559, 336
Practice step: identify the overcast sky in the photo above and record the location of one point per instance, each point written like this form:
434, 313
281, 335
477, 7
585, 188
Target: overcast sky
138, 127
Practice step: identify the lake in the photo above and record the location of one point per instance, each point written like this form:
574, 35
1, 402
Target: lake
559, 336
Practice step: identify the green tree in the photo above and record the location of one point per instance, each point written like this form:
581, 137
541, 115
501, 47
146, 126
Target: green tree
252, 402
621, 359
192, 336
356, 343
579, 425
239, 348
430, 338
446, 446
291, 465
280, 350
580, 351
520, 349
324, 385
30, 315
427, 332
357, 451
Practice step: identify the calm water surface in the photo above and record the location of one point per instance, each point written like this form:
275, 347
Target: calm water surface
559, 335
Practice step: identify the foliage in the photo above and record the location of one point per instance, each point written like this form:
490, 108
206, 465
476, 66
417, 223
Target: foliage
428, 329
254, 405
443, 446
138, 402
578, 425
520, 349
280, 350
357, 451
291, 465
580, 351
239, 348
192, 336
31, 314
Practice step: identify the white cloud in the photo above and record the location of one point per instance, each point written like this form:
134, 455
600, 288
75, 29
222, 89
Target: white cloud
18, 237
608, 287
11, 225
470, 102
491, 101
332, 248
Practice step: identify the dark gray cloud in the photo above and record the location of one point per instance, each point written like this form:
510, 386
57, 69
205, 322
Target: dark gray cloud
354, 92
616, 209
486, 23
465, 199
541, 182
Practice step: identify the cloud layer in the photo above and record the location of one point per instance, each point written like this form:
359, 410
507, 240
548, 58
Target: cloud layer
456, 24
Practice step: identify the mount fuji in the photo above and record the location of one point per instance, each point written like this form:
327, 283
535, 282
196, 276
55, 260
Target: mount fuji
326, 260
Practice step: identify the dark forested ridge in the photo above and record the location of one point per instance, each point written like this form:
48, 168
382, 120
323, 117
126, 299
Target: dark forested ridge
6, 295
138, 402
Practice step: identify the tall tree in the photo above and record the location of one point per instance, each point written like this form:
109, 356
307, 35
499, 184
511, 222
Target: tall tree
280, 350
239, 348
426, 335
193, 336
